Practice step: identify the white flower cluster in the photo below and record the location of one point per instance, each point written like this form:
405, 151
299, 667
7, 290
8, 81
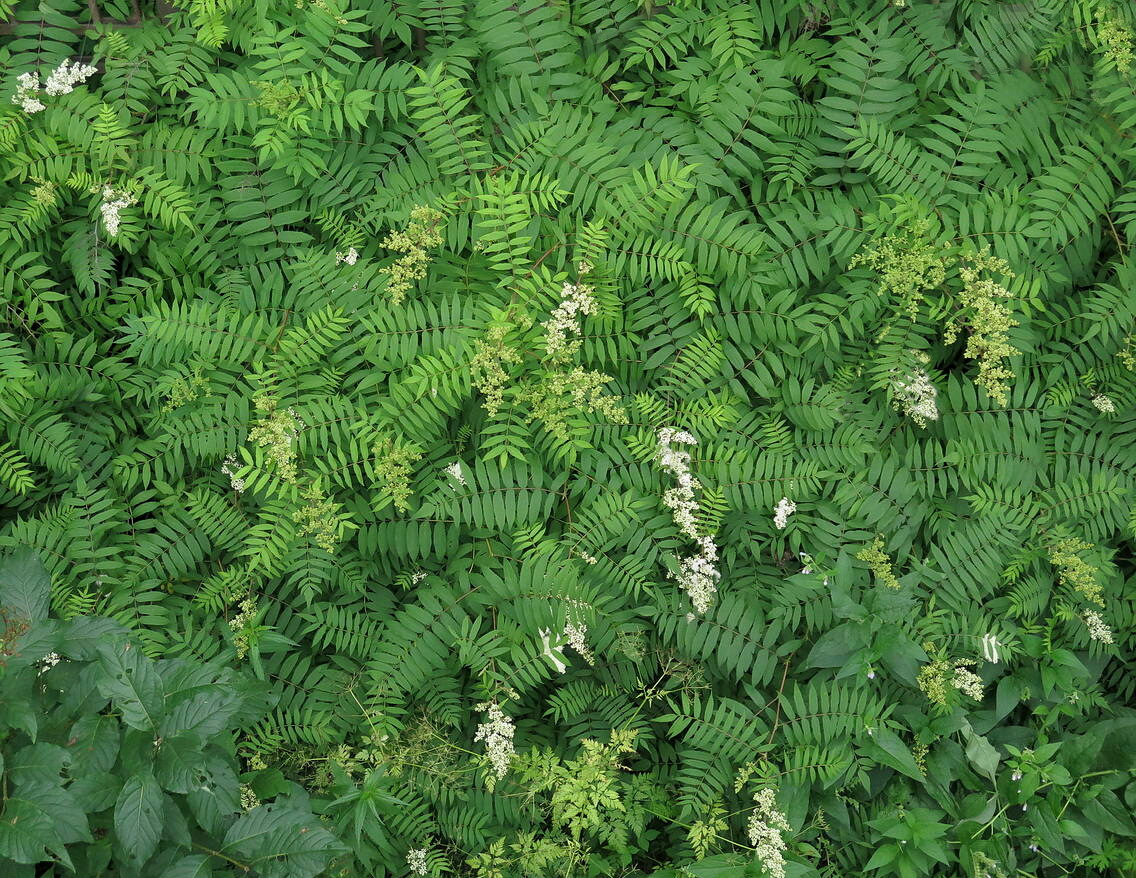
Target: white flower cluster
573, 636
697, 575
454, 470
27, 87
49, 661
915, 396
416, 860
575, 299
766, 823
497, 733
968, 683
1098, 628
576, 639
62, 80
229, 468
111, 208
1104, 404
785, 507
248, 610
350, 257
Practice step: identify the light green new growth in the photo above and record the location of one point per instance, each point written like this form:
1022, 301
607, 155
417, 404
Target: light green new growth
876, 558
909, 264
988, 322
276, 432
1073, 571
421, 235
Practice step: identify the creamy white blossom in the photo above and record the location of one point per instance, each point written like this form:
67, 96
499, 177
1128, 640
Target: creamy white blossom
497, 733
111, 208
48, 662
1098, 628
63, 79
575, 300
915, 395
454, 470
229, 468
576, 639
416, 861
1104, 404
766, 823
350, 257
785, 508
574, 635
697, 575
27, 87
968, 683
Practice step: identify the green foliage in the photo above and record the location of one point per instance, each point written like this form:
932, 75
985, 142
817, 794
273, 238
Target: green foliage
338, 341
114, 762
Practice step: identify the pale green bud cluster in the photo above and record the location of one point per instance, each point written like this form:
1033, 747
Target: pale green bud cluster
421, 235
392, 466
491, 355
908, 264
249, 799
940, 677
45, 192
558, 394
1116, 40
277, 432
1074, 571
185, 389
880, 562
239, 623
1127, 353
278, 97
989, 322
558, 391
317, 518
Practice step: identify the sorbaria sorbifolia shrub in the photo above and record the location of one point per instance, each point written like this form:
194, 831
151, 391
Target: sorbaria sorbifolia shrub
627, 437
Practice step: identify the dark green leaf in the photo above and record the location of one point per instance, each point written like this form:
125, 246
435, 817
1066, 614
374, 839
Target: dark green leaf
138, 818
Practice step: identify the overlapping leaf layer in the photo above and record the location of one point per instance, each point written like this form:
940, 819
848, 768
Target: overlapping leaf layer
337, 340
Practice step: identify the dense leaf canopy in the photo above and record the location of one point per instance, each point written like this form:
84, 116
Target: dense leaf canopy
626, 437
